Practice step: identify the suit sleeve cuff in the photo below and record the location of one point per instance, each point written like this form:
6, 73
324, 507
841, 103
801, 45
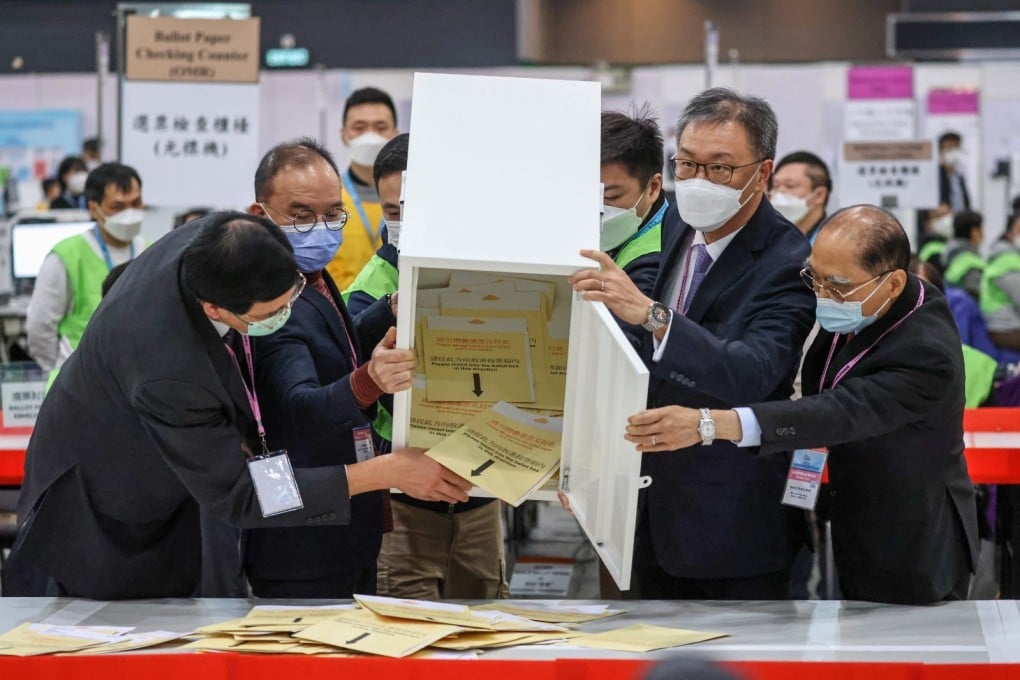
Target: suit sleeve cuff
660, 345
749, 427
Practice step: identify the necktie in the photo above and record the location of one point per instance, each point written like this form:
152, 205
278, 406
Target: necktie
701, 264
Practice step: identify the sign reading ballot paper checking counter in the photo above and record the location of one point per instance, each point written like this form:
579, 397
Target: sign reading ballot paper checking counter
523, 387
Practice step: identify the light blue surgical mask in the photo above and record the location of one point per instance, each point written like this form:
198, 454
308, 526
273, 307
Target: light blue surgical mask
846, 317
268, 326
314, 249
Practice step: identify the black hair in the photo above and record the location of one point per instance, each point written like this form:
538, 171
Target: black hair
392, 158
964, 221
369, 95
67, 165
949, 137
49, 182
817, 171
108, 174
112, 277
296, 153
634, 142
721, 105
883, 245
91, 145
928, 272
236, 260
180, 219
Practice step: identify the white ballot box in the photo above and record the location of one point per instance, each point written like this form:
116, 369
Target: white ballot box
501, 193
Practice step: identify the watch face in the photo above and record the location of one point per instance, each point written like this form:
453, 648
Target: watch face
660, 313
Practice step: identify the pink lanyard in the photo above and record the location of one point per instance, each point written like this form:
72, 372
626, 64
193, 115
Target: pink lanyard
253, 399
683, 281
853, 362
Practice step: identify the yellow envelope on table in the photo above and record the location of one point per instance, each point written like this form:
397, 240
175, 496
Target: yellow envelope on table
529, 306
551, 612
453, 614
365, 631
434, 421
477, 359
32, 639
641, 637
504, 450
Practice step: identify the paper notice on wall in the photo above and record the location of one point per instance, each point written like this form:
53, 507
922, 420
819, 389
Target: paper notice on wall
477, 359
504, 450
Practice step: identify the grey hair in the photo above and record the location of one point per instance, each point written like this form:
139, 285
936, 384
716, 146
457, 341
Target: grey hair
722, 105
882, 244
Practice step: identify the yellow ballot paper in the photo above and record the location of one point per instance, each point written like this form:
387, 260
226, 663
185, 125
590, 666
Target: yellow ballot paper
131, 641
434, 421
641, 637
529, 306
551, 386
476, 359
504, 450
33, 639
453, 614
365, 631
473, 279
551, 611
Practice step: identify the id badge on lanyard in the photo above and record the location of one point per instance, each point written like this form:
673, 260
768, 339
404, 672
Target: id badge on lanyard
275, 487
804, 478
271, 472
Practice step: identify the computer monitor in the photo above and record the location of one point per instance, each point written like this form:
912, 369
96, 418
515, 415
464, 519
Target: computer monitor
31, 242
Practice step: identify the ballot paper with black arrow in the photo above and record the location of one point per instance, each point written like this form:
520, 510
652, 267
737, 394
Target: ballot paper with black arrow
504, 450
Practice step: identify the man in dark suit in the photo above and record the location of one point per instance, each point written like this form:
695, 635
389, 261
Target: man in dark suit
884, 390
319, 394
727, 319
149, 420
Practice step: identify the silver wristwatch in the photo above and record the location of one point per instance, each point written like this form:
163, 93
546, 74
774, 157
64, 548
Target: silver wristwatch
706, 427
658, 317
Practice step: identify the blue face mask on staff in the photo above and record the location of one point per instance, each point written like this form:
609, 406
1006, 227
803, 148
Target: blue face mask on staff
846, 317
314, 249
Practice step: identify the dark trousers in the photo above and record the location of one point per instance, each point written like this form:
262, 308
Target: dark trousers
651, 582
335, 586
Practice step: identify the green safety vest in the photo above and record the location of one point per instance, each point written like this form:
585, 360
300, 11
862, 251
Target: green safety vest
85, 274
931, 250
992, 297
376, 279
643, 244
963, 263
979, 374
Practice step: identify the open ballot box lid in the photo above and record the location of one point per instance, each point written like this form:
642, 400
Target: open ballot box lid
501, 193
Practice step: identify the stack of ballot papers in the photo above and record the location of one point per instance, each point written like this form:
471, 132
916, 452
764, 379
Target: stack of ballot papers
381, 626
33, 639
399, 628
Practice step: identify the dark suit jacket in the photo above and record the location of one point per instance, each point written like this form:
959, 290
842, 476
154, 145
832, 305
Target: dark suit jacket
715, 511
902, 504
146, 422
944, 188
308, 408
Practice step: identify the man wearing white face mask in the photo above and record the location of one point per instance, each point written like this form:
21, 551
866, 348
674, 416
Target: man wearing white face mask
370, 120
633, 202
726, 319
800, 191
884, 391
69, 286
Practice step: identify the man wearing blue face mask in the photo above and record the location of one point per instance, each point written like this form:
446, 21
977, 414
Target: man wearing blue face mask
884, 390
726, 319
319, 392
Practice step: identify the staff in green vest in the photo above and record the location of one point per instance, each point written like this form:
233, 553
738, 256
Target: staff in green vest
633, 201
69, 285
962, 264
1000, 288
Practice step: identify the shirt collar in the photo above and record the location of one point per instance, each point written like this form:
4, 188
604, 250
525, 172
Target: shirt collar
716, 248
220, 327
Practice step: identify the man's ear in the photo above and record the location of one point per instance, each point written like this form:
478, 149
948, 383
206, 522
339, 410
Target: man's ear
256, 209
212, 311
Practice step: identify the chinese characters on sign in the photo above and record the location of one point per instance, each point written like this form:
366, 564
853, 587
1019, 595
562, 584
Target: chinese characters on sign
889, 174
21, 402
190, 136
